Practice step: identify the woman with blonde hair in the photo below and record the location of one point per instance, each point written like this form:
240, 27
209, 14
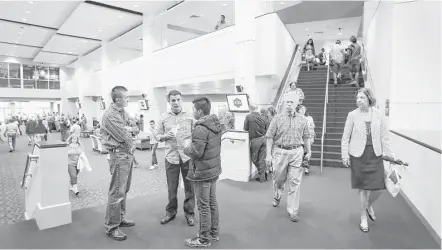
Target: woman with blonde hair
364, 142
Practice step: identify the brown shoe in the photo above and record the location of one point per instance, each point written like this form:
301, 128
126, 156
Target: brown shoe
117, 234
127, 223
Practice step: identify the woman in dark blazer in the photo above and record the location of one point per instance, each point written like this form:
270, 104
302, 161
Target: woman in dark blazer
364, 142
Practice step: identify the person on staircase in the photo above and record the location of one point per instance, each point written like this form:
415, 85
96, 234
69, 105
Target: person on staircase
288, 132
309, 53
257, 127
364, 142
355, 55
294, 88
337, 59
302, 110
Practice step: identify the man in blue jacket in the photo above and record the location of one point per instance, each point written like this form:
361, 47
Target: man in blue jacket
204, 149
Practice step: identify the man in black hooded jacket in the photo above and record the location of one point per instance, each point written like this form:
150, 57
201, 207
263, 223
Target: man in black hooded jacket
205, 167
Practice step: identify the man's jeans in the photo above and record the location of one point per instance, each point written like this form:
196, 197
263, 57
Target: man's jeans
121, 170
205, 192
287, 167
173, 174
154, 154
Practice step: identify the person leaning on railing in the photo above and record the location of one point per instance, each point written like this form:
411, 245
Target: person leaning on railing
364, 142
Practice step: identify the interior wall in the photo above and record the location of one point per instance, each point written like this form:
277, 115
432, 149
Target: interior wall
394, 34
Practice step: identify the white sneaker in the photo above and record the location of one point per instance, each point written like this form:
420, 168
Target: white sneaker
153, 167
75, 189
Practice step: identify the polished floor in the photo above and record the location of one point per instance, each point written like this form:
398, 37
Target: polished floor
329, 219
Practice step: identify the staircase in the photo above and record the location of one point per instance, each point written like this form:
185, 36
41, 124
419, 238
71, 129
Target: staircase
341, 101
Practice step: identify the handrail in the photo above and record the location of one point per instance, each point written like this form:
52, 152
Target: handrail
437, 150
284, 86
286, 75
324, 118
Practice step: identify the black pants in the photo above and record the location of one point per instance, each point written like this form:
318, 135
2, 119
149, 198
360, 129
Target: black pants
173, 174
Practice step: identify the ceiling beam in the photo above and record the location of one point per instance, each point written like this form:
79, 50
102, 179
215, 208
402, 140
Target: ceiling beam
28, 24
175, 5
23, 45
125, 32
86, 38
114, 8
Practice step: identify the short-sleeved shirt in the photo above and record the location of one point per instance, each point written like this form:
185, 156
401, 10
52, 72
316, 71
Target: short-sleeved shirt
337, 53
184, 123
355, 52
288, 130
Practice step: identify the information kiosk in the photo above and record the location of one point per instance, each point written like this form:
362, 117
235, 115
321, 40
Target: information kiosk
46, 184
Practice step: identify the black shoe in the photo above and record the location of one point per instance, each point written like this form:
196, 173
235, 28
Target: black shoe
168, 218
117, 235
127, 223
190, 221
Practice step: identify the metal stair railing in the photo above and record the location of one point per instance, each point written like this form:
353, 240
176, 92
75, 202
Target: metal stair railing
293, 73
324, 118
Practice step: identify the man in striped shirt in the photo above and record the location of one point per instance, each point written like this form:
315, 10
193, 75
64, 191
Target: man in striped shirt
117, 132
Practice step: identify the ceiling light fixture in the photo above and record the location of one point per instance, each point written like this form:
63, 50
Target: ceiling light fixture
100, 30
31, 2
135, 6
120, 16
24, 19
306, 28
282, 2
27, 12
225, 4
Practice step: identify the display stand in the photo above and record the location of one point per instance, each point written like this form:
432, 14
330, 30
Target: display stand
235, 156
46, 184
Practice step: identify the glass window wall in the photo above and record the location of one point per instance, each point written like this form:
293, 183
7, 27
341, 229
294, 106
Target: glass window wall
4, 78
14, 75
33, 77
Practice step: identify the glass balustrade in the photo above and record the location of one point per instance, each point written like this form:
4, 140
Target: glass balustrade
15, 75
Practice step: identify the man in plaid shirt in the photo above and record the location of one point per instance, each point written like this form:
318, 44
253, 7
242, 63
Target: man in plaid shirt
289, 132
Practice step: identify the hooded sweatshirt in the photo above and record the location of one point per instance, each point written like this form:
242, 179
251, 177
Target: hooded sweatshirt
205, 149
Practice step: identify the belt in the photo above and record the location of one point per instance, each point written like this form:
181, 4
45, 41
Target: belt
120, 150
289, 147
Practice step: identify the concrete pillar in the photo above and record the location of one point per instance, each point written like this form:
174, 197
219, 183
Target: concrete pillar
152, 41
245, 36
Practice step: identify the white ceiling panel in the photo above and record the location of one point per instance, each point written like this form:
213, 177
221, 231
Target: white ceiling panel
145, 7
17, 50
97, 22
43, 13
130, 40
52, 58
70, 45
24, 34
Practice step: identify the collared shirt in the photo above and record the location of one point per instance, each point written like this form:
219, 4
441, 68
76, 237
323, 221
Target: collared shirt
184, 124
11, 128
112, 129
256, 125
76, 129
288, 130
337, 53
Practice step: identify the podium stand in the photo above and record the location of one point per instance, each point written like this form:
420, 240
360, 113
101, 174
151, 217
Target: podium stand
46, 184
235, 156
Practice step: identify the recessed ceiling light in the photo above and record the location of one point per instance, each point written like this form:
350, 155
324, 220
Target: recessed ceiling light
31, 2
306, 28
100, 30
15, 46
225, 4
27, 12
16, 41
135, 6
20, 33
120, 16
282, 2
85, 41
24, 19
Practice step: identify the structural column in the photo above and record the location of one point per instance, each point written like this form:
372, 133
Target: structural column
245, 36
152, 41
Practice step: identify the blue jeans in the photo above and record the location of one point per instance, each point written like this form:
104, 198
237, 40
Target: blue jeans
121, 171
173, 178
205, 193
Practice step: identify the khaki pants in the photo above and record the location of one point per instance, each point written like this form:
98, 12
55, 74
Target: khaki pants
287, 167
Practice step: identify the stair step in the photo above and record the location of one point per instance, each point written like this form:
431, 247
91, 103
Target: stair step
329, 148
329, 129
327, 163
330, 104
328, 155
333, 136
328, 141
